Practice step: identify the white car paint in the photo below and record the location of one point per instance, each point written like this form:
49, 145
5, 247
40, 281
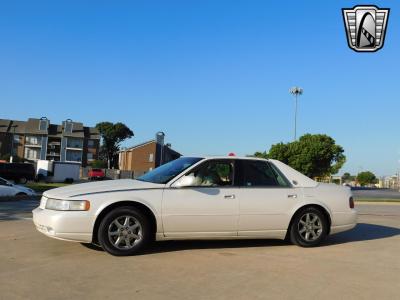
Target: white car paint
8, 189
194, 213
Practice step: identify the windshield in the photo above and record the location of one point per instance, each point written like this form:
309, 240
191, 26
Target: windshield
166, 172
4, 181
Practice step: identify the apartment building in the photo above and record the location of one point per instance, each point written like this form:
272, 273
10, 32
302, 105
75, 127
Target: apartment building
147, 156
39, 139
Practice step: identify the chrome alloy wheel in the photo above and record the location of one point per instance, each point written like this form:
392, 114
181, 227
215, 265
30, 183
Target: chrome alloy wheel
124, 232
310, 227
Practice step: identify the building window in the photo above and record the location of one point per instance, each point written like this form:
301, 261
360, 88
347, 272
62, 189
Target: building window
33, 140
43, 124
68, 126
90, 143
32, 154
151, 157
74, 155
74, 143
16, 139
90, 156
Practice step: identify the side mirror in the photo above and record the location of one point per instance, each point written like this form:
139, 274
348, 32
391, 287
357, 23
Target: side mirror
187, 180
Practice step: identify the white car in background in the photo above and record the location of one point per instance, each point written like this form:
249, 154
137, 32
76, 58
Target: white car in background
198, 198
8, 189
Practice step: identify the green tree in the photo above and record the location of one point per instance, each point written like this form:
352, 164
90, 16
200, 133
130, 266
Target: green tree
100, 164
346, 177
366, 177
112, 135
314, 155
16, 158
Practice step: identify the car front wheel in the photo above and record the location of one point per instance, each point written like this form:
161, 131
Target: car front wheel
124, 231
309, 227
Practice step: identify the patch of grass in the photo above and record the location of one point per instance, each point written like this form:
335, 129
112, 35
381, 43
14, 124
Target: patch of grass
40, 187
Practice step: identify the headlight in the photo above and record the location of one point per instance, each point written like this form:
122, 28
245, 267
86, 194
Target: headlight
55, 204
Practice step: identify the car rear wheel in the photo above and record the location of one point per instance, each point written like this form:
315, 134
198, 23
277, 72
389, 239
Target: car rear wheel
124, 231
309, 227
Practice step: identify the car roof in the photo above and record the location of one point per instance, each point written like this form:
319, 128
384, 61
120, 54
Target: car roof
229, 157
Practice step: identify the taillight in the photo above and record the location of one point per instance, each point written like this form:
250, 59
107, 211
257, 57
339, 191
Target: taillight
351, 202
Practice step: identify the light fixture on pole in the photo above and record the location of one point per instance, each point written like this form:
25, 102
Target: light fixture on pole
296, 91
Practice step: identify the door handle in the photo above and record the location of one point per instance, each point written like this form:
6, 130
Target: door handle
229, 196
292, 196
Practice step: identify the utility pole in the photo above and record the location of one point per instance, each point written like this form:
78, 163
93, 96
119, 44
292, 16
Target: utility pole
296, 91
12, 144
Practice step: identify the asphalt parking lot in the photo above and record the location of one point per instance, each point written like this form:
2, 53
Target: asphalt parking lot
361, 264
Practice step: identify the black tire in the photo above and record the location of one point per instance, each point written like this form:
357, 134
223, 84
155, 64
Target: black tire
21, 194
135, 244
69, 180
40, 178
317, 230
22, 180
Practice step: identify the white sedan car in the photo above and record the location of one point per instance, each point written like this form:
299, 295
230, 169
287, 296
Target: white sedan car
198, 198
8, 189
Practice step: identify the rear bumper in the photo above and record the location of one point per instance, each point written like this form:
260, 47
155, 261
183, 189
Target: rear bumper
344, 221
64, 225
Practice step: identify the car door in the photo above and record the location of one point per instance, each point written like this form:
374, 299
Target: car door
203, 202
266, 199
6, 189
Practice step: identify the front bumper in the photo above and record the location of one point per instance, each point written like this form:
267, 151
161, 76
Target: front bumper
76, 226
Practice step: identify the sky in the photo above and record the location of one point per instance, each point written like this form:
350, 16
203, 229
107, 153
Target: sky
213, 75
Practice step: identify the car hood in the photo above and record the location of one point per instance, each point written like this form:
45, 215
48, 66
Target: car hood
82, 189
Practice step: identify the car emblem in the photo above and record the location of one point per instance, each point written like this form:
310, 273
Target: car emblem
365, 27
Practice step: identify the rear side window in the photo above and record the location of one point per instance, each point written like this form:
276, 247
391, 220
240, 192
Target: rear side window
260, 174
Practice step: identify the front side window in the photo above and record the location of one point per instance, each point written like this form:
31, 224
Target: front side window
259, 174
210, 174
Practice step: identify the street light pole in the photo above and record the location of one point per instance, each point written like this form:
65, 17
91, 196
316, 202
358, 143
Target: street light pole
295, 91
12, 144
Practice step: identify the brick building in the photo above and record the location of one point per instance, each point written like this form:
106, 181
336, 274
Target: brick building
147, 156
39, 139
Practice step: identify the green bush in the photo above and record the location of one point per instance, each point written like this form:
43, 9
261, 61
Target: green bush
101, 164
